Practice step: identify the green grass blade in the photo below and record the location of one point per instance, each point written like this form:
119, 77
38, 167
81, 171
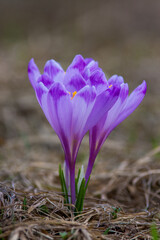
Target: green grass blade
65, 189
63, 184
76, 186
80, 197
79, 172
24, 204
154, 232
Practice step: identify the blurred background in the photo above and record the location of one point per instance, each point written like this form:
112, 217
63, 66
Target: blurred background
123, 36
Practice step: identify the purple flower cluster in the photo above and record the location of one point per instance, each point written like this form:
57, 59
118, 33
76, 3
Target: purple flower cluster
81, 100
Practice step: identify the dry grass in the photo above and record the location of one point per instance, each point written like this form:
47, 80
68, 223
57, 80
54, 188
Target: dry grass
122, 204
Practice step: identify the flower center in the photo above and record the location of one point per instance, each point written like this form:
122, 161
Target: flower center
73, 94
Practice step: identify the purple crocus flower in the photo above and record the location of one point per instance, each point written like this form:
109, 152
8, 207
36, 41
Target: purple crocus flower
73, 102
122, 108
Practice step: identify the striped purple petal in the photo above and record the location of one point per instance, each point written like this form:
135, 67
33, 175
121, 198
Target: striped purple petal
52, 68
33, 72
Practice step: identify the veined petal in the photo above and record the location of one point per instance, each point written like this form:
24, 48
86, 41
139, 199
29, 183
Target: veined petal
60, 110
78, 63
90, 68
88, 60
104, 102
86, 73
52, 68
93, 65
115, 80
73, 80
46, 80
115, 111
40, 90
41, 94
59, 77
33, 72
99, 80
83, 103
123, 94
132, 102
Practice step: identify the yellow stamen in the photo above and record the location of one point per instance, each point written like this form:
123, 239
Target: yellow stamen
73, 94
110, 86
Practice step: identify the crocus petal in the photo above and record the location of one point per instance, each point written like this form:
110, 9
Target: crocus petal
99, 80
52, 68
115, 111
90, 68
33, 72
60, 110
40, 90
41, 94
132, 103
103, 103
60, 113
115, 80
73, 80
83, 103
78, 63
46, 80
88, 60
